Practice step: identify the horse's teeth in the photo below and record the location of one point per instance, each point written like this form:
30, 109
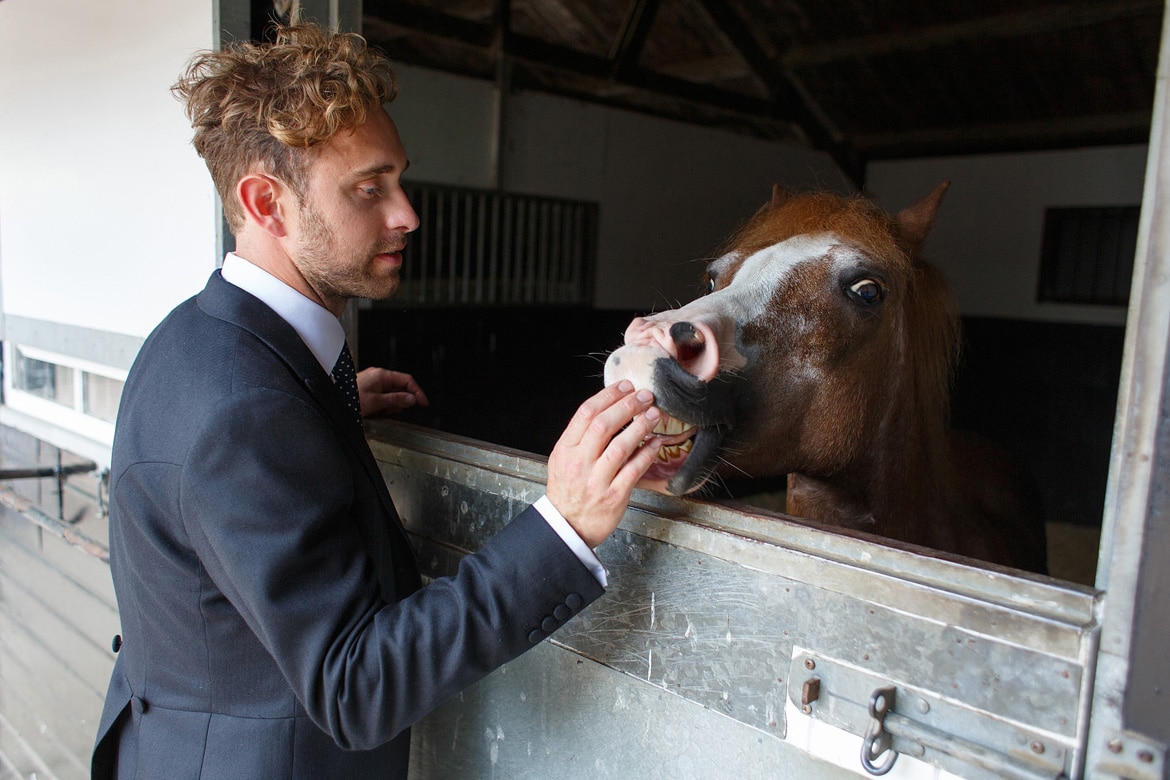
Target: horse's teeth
667, 454
669, 426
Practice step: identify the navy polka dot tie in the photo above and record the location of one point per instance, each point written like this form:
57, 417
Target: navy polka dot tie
345, 377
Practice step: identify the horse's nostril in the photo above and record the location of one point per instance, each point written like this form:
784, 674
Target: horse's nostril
688, 340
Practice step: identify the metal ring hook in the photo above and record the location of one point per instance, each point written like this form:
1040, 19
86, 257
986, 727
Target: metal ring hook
877, 739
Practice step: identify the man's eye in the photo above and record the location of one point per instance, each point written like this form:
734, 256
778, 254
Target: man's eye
373, 192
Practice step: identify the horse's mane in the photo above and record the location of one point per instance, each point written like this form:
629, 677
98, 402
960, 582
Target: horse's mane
855, 218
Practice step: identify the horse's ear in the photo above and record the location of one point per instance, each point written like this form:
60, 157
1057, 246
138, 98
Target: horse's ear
779, 196
916, 221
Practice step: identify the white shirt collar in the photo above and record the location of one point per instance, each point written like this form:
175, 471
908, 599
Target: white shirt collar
316, 325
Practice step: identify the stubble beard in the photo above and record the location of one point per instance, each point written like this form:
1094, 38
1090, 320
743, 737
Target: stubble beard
336, 276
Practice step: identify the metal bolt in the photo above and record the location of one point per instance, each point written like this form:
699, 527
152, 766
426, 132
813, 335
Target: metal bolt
1037, 747
923, 706
1114, 745
810, 664
1145, 756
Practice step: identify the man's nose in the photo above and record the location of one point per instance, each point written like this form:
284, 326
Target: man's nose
403, 217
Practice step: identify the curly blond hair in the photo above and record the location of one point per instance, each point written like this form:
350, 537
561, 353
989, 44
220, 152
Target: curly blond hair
266, 106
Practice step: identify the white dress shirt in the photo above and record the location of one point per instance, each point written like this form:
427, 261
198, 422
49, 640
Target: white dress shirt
324, 336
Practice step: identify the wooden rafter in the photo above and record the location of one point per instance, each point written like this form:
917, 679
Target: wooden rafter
1000, 26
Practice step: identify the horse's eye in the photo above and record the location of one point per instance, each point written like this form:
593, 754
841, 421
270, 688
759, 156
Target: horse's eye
710, 284
866, 290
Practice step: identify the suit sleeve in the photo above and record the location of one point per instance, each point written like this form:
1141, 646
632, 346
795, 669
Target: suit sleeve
267, 498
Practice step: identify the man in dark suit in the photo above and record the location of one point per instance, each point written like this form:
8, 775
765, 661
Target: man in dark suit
272, 617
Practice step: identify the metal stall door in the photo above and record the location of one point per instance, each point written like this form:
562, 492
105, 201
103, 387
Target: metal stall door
739, 644
1130, 725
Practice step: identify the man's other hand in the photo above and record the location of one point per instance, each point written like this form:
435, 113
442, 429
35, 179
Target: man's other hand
383, 392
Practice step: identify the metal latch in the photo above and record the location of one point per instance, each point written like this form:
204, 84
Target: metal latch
878, 740
895, 718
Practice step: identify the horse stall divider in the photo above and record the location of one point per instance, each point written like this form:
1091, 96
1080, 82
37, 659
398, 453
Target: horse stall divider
1131, 715
736, 643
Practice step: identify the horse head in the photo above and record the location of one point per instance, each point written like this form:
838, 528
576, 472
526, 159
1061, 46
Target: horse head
821, 333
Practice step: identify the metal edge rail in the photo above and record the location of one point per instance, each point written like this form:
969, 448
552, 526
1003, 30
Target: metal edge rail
1044, 597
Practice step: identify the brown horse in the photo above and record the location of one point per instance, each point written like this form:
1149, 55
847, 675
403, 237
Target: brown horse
824, 349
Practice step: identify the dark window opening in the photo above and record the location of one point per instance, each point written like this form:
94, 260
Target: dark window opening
1087, 255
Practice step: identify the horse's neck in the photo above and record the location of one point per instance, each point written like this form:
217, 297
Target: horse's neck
901, 490
828, 501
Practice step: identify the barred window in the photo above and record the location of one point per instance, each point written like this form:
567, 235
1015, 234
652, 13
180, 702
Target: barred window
484, 247
1087, 255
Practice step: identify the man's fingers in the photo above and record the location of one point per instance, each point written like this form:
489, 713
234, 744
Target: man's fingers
594, 406
621, 448
606, 425
636, 467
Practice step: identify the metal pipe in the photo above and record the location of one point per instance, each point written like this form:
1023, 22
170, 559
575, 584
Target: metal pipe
39, 472
59, 528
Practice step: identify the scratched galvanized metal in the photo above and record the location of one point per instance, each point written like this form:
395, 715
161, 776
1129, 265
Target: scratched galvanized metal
714, 614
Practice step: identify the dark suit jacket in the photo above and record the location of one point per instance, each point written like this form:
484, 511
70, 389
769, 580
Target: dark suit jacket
271, 618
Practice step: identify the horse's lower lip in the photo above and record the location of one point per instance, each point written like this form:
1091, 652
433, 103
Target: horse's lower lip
669, 461
675, 439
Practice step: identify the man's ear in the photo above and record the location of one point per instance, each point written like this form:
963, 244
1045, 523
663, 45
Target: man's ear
264, 200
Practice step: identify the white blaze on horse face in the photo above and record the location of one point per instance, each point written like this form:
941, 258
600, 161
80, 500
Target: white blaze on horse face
718, 317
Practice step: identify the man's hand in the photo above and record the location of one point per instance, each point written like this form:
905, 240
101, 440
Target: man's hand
383, 392
595, 464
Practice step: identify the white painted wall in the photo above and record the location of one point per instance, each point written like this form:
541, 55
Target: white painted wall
988, 235
669, 192
107, 215
448, 125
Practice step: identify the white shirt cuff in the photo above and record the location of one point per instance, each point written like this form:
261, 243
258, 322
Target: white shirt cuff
575, 543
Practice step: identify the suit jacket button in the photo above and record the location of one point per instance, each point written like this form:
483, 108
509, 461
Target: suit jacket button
549, 625
138, 705
535, 637
562, 613
116, 645
574, 601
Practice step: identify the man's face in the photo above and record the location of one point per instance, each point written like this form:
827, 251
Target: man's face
354, 217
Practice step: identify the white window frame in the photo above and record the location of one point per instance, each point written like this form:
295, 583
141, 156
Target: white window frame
71, 418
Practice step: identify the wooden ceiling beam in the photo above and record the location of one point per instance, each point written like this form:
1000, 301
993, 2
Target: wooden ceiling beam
632, 38
431, 22
1048, 19
542, 54
502, 21
789, 100
550, 56
1120, 128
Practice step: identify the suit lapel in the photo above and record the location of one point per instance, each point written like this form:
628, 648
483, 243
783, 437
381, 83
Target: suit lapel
225, 301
